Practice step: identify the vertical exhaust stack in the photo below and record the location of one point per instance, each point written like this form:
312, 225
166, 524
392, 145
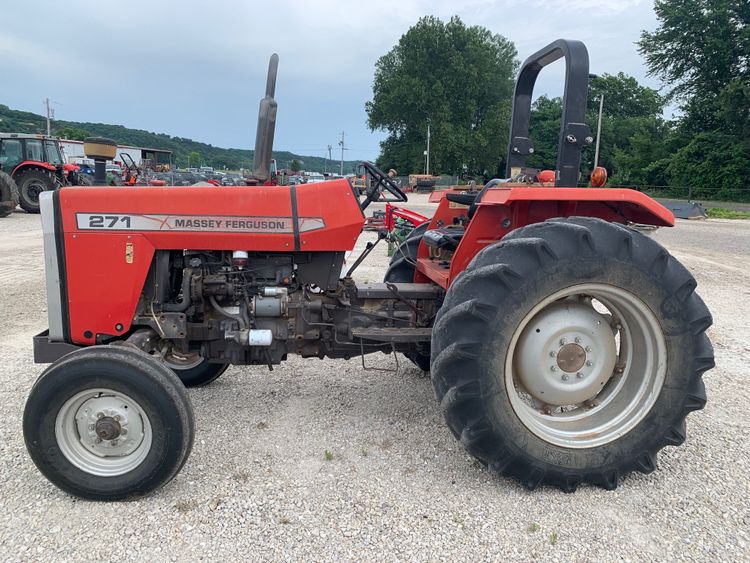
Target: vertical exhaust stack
266, 125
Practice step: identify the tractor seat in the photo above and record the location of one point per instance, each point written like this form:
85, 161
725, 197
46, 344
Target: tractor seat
464, 199
444, 238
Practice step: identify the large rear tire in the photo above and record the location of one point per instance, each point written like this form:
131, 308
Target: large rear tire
571, 352
8, 194
108, 423
401, 270
31, 183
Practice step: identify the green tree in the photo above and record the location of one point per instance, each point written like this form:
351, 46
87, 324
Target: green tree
701, 50
194, 158
457, 78
72, 133
295, 165
631, 127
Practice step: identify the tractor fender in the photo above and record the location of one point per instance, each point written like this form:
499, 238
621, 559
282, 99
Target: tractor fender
619, 205
504, 209
26, 164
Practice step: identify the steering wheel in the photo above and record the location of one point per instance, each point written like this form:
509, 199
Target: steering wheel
380, 182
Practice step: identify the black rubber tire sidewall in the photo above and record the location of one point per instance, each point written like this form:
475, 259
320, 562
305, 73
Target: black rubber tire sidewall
153, 386
200, 375
8, 194
486, 421
25, 180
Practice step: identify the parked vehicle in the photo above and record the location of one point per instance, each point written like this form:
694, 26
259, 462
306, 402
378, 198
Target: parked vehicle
565, 347
314, 177
35, 164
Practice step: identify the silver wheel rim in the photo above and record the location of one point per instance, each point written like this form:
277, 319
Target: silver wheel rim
103, 432
585, 365
177, 362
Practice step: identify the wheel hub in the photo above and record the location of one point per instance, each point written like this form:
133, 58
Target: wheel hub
571, 357
566, 354
103, 432
107, 428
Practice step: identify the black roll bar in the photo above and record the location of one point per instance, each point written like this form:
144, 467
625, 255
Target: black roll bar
574, 133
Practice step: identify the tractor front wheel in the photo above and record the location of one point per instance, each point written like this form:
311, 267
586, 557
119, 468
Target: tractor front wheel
571, 352
108, 423
31, 183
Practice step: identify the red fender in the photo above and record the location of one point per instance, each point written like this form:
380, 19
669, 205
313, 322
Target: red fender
511, 206
33, 164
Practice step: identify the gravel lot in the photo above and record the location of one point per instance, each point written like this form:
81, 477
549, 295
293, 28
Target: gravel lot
258, 485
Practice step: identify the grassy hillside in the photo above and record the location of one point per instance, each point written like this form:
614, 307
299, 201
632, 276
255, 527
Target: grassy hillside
12, 121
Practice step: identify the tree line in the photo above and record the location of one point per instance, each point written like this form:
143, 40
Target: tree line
460, 79
185, 152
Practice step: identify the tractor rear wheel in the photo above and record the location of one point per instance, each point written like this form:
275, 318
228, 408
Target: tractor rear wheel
401, 270
8, 194
108, 423
571, 352
31, 183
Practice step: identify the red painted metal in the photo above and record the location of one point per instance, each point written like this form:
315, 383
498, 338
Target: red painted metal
392, 212
503, 209
106, 267
106, 270
33, 164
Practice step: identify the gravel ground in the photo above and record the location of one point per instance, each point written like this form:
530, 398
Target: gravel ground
258, 485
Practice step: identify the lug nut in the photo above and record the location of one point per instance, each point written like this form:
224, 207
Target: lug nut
563, 342
551, 353
98, 440
552, 368
117, 417
578, 339
588, 348
100, 415
589, 363
565, 377
579, 375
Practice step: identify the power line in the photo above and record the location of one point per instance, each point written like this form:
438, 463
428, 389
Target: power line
341, 142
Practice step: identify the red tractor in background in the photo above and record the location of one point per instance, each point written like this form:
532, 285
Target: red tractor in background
564, 346
30, 165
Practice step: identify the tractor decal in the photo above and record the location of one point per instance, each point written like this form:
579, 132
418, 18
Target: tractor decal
211, 223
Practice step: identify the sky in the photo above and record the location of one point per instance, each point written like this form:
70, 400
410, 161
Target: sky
197, 69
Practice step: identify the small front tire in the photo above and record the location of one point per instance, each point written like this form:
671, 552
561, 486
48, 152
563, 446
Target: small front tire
108, 423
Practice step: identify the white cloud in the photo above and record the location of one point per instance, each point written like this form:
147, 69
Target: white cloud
197, 69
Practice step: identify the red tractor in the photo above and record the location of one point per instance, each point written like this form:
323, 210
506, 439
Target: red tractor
564, 346
35, 164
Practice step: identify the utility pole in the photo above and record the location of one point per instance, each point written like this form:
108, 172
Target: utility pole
428, 148
328, 157
598, 130
50, 116
341, 142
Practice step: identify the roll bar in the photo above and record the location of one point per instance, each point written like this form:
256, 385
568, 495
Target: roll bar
574, 133
266, 125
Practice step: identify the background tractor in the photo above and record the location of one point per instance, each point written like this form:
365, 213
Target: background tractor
564, 347
31, 164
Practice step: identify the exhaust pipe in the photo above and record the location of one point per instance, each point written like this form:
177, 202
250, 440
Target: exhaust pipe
266, 125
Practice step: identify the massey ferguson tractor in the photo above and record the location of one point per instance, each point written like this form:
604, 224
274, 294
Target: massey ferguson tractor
564, 346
